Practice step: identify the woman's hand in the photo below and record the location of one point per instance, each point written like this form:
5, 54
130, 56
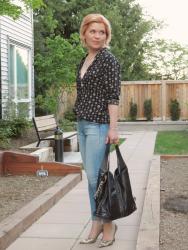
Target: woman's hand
112, 136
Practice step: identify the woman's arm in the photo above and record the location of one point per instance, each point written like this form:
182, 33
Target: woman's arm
112, 136
113, 88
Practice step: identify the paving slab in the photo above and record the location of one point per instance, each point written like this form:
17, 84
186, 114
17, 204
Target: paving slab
125, 245
41, 244
56, 231
73, 209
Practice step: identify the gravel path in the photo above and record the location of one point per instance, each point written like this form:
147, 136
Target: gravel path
17, 191
174, 205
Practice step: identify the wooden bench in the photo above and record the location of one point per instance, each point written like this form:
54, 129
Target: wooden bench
48, 123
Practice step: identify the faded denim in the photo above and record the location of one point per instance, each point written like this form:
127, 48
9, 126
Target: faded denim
92, 138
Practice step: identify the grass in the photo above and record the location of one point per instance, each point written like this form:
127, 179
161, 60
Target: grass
172, 142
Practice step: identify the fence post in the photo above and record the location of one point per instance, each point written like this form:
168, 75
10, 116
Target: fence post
163, 100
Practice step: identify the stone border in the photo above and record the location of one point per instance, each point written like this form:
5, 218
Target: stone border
153, 125
166, 157
44, 154
148, 235
14, 225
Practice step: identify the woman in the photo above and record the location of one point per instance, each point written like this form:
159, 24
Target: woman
96, 107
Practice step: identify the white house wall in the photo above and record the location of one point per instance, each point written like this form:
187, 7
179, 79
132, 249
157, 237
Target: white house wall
21, 32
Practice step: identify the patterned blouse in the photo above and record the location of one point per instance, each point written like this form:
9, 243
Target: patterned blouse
99, 87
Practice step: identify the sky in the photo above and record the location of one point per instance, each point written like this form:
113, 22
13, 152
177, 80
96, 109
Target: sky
174, 13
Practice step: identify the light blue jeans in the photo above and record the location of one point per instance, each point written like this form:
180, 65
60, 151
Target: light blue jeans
91, 138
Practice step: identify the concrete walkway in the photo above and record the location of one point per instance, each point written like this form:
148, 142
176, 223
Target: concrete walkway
68, 221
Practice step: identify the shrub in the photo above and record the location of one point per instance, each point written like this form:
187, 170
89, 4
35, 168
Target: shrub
133, 111
19, 126
70, 115
148, 109
5, 134
174, 110
6, 129
67, 125
14, 127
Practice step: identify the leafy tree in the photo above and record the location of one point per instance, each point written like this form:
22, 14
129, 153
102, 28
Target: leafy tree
44, 26
130, 30
13, 10
61, 19
166, 60
130, 38
56, 70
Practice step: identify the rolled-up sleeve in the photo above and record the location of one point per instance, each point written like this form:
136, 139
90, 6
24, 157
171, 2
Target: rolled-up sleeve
112, 81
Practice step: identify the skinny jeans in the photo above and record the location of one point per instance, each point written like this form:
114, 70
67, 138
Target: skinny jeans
91, 138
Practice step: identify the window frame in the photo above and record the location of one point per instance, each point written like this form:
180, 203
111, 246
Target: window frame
15, 98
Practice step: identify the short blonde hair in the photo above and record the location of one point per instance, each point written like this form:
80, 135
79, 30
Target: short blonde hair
95, 18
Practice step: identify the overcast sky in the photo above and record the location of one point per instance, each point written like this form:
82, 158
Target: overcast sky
174, 13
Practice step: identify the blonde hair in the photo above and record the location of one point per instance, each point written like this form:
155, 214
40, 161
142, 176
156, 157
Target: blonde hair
95, 18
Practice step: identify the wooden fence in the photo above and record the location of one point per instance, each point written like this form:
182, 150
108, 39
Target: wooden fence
160, 92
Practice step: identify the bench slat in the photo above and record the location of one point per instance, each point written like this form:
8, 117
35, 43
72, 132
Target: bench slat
47, 127
66, 135
47, 122
43, 117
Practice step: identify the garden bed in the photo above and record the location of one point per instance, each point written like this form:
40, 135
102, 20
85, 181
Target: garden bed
28, 137
17, 191
174, 204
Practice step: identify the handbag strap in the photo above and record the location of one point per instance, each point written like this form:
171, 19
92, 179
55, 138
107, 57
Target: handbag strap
120, 161
105, 162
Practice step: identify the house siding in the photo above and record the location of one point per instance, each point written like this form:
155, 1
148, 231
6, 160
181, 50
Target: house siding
19, 32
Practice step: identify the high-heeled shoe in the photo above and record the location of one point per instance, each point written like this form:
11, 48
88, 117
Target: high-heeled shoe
106, 243
91, 240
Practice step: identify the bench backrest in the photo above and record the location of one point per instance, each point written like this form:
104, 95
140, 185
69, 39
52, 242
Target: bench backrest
43, 123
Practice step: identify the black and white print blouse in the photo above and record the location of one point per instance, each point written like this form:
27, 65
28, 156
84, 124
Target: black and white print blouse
99, 87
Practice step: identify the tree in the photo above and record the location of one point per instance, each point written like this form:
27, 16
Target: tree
130, 30
130, 38
63, 18
56, 71
13, 10
166, 60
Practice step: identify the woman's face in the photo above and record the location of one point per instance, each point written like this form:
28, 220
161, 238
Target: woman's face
95, 36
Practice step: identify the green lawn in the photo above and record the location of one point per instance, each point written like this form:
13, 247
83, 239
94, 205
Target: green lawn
172, 142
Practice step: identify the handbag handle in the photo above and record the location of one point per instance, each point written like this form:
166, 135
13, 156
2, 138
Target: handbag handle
105, 163
120, 160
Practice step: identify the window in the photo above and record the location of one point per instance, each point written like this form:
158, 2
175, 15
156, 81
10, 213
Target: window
20, 77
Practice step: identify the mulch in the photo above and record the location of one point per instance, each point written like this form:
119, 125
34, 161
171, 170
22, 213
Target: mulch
174, 204
17, 191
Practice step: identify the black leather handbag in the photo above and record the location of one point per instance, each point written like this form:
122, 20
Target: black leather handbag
114, 197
